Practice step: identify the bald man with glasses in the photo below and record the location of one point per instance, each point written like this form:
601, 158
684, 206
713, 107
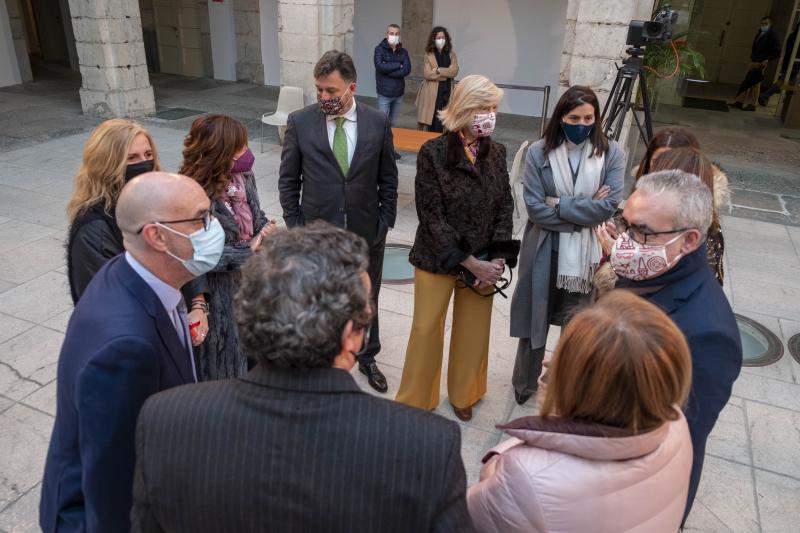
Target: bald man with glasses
127, 339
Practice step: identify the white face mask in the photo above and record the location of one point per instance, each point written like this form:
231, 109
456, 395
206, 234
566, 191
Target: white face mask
440, 43
638, 262
393, 40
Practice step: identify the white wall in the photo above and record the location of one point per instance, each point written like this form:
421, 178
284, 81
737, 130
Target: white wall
510, 41
223, 39
369, 23
9, 68
269, 42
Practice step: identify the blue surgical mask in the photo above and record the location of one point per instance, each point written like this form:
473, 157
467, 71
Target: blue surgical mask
577, 133
764, 27
207, 244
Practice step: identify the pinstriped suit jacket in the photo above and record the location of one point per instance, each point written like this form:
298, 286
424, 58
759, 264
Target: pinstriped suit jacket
289, 451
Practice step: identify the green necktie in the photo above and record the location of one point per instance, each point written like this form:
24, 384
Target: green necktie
340, 145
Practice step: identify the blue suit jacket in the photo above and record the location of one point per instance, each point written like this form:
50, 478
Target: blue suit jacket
120, 348
693, 299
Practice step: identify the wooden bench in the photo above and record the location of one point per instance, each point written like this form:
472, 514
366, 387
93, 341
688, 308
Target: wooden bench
407, 140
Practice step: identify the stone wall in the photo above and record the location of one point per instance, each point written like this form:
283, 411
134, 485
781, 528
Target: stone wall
306, 30
416, 26
247, 21
15, 19
108, 35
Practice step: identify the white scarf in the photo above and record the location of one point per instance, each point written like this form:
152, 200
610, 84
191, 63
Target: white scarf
579, 251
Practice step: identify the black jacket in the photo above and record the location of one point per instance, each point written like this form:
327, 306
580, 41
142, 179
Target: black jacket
94, 238
391, 67
461, 207
766, 46
286, 451
311, 183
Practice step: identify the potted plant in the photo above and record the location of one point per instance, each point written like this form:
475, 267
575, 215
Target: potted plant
664, 73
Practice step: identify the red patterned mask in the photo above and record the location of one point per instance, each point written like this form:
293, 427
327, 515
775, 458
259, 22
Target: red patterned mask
638, 262
483, 124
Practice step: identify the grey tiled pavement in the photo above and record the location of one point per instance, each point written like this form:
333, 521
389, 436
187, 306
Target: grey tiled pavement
751, 480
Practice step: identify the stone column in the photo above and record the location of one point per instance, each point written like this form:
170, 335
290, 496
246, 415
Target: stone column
108, 35
20, 39
416, 26
594, 43
306, 30
247, 22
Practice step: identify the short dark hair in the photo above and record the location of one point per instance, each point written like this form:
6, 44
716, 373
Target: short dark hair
334, 60
298, 293
575, 96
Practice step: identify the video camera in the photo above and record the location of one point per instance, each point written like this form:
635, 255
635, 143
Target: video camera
656, 31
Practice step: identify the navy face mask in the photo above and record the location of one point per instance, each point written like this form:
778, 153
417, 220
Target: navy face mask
577, 133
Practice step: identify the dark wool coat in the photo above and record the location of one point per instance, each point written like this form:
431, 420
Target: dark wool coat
462, 207
766, 46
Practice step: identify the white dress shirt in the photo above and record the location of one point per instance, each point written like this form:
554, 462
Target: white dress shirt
171, 298
349, 130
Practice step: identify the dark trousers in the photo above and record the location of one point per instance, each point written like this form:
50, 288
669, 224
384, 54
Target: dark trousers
375, 271
560, 306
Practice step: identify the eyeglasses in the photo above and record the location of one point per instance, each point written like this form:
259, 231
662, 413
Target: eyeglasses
206, 217
639, 234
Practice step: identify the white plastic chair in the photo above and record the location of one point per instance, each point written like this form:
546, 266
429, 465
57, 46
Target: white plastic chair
289, 99
515, 174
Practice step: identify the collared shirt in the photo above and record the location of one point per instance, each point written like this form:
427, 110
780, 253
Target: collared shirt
349, 130
170, 298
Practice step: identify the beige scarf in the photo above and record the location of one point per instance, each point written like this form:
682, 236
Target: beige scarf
578, 251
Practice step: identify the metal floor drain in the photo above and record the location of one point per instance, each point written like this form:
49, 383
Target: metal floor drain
177, 113
761, 347
396, 268
794, 347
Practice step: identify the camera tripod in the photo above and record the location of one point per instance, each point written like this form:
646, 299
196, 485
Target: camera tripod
622, 98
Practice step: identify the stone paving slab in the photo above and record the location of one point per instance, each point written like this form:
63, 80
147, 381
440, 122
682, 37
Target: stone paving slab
752, 475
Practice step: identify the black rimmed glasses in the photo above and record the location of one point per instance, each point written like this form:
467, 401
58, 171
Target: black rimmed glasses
206, 217
638, 233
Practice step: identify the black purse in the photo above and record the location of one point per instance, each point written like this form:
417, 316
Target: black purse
506, 250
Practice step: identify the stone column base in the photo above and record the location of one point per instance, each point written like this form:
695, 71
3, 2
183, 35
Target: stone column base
252, 72
118, 103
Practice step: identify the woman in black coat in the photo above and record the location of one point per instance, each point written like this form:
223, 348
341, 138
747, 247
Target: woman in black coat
464, 205
117, 151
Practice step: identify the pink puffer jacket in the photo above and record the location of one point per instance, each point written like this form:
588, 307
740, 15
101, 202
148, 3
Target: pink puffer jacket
558, 476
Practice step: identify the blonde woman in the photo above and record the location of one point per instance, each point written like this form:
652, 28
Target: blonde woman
611, 449
439, 70
117, 151
464, 206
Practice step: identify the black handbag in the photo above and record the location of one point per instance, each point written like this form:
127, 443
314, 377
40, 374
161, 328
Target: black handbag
507, 250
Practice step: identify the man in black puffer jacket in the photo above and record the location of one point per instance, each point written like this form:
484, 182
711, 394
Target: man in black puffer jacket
392, 65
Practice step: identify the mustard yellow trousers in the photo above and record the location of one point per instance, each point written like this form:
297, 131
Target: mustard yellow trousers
469, 343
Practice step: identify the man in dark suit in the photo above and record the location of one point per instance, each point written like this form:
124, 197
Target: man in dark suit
128, 338
338, 165
295, 445
670, 212
766, 47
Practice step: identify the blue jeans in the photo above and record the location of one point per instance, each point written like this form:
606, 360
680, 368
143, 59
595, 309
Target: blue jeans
390, 105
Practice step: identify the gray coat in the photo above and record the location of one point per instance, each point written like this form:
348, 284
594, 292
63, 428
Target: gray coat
529, 305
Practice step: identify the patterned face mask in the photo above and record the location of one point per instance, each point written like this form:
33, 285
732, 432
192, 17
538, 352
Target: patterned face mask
332, 106
639, 262
483, 124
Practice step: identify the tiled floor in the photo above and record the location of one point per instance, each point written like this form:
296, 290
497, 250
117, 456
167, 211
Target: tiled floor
751, 480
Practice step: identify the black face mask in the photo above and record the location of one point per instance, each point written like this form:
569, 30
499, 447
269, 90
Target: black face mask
131, 171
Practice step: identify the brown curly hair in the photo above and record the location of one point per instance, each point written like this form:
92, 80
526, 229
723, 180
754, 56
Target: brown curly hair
208, 151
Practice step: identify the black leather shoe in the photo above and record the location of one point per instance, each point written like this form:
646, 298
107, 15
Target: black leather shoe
375, 377
521, 398
397, 156
737, 105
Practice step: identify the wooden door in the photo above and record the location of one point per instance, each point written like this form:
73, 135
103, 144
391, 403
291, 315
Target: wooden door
178, 35
726, 34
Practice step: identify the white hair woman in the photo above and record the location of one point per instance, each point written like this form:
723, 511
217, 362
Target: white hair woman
465, 207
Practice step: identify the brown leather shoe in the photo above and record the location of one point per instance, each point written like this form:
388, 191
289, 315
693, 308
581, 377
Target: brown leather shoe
463, 414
